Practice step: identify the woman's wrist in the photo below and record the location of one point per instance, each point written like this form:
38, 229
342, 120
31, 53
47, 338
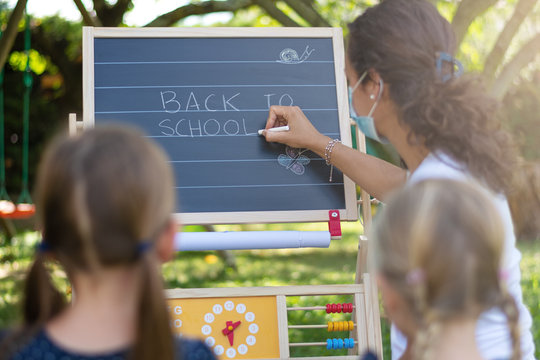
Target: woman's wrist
319, 145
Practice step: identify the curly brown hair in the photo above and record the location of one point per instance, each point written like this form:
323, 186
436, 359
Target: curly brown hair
401, 40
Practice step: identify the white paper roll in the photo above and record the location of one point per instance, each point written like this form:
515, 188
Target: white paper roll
237, 240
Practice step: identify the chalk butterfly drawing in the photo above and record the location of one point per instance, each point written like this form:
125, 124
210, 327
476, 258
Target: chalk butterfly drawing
294, 160
290, 56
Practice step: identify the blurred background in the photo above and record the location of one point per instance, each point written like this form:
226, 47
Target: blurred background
498, 39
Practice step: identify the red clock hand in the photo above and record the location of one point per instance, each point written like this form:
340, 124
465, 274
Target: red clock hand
229, 330
231, 338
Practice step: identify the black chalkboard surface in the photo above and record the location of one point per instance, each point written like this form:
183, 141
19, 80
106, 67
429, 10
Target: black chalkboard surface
203, 97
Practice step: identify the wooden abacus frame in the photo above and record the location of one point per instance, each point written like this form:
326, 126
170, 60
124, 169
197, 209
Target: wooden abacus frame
365, 300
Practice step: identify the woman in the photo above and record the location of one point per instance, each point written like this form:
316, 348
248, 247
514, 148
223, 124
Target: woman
401, 74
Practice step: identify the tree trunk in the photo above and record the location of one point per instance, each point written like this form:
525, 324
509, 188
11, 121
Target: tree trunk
465, 14
270, 7
6, 42
496, 56
525, 55
307, 12
111, 15
87, 18
199, 8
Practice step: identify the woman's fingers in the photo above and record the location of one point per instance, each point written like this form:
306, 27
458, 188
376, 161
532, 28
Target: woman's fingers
278, 116
300, 129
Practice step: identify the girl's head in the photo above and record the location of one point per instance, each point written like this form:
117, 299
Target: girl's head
401, 43
102, 197
438, 256
104, 201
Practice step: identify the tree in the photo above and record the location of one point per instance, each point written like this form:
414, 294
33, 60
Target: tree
58, 41
6, 42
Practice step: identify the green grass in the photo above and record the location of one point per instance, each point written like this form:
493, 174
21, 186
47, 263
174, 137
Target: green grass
262, 268
530, 283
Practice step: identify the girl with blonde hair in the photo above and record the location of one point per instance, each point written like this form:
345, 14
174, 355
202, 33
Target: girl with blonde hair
438, 257
104, 200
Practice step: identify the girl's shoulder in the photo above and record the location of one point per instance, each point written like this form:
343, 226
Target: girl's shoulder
191, 349
369, 356
40, 347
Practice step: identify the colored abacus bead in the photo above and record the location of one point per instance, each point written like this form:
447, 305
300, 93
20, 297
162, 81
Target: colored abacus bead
328, 308
334, 344
351, 325
330, 326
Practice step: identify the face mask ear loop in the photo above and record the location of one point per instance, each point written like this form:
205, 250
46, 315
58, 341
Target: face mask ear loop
358, 82
379, 96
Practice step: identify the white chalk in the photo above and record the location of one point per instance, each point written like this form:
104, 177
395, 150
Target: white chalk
279, 128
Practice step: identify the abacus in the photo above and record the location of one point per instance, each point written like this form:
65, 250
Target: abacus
359, 332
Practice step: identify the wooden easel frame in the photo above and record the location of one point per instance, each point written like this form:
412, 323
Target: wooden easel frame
349, 213
365, 289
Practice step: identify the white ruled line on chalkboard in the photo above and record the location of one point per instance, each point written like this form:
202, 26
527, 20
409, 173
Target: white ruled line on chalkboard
253, 186
204, 62
239, 160
207, 86
207, 136
194, 111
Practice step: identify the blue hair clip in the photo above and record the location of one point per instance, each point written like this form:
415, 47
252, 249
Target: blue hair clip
445, 57
43, 247
143, 247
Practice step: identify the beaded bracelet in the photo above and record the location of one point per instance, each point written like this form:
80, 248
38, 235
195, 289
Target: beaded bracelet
328, 155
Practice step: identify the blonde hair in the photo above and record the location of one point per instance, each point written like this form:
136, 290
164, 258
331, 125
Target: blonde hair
439, 244
101, 197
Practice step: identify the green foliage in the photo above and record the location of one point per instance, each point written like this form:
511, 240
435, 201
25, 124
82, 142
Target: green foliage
521, 107
530, 283
66, 32
260, 268
18, 60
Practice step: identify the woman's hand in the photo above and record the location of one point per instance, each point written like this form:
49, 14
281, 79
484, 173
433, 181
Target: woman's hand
301, 134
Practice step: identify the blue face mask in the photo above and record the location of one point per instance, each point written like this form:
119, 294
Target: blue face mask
366, 124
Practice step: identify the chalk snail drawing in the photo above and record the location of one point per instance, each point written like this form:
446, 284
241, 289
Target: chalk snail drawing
290, 56
294, 160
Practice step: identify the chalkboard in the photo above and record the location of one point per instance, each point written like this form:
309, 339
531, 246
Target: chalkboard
202, 94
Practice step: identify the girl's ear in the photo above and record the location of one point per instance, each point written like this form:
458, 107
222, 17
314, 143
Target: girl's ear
165, 243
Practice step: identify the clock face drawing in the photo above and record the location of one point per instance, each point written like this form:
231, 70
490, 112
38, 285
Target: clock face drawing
231, 327
224, 329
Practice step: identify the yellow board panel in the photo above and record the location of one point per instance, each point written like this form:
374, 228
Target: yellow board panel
256, 336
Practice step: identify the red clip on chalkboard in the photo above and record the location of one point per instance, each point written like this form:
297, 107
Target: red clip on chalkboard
334, 224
